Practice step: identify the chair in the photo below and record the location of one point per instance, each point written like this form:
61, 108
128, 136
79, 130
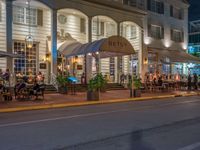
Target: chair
40, 91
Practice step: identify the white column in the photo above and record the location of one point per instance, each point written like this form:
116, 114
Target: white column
89, 58
143, 68
9, 16
54, 42
117, 75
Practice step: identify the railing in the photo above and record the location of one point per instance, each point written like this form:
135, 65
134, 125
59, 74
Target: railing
54, 81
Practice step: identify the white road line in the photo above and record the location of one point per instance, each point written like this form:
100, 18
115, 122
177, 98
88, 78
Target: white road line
191, 147
89, 114
61, 118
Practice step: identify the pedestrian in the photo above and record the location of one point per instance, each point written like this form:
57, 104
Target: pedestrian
195, 82
189, 82
83, 78
122, 79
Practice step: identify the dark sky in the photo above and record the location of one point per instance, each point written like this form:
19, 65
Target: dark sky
194, 10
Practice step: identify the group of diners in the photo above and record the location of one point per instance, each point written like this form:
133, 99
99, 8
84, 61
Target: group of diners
176, 81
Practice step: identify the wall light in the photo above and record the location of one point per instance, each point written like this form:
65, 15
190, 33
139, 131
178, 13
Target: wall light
145, 61
147, 41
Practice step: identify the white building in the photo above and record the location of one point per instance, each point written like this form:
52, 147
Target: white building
151, 26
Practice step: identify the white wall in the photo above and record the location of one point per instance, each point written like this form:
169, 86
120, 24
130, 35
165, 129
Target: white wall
168, 23
3, 33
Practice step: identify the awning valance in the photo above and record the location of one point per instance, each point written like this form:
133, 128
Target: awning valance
176, 56
107, 47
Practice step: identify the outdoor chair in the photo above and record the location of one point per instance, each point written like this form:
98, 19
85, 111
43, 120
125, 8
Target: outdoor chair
21, 94
40, 91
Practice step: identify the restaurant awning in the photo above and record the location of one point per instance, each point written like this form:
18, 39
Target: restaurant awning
107, 47
6, 54
176, 56
67, 46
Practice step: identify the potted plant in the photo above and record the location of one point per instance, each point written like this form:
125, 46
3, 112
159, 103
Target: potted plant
135, 87
62, 84
96, 84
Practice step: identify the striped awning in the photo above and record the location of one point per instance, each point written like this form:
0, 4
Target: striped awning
107, 47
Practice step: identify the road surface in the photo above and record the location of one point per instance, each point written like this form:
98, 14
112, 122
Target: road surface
165, 124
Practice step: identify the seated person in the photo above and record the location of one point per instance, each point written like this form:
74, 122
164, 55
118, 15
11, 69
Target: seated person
2, 88
20, 85
36, 88
160, 82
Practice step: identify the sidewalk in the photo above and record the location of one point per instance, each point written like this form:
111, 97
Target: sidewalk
60, 100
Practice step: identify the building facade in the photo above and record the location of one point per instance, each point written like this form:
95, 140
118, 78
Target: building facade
150, 26
194, 44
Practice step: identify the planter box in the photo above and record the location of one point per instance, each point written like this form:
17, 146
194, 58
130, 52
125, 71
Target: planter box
135, 93
92, 96
63, 90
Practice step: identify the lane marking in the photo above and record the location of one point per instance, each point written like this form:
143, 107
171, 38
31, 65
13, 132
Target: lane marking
191, 147
92, 114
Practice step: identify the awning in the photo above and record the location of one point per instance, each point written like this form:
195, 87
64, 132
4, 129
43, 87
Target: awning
67, 46
6, 54
176, 56
107, 47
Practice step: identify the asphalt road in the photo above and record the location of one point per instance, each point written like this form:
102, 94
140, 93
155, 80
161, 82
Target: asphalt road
167, 124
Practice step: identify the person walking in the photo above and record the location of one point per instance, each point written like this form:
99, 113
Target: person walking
195, 82
189, 82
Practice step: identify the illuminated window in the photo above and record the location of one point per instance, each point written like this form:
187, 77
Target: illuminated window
27, 63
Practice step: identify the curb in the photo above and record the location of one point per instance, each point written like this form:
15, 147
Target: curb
86, 103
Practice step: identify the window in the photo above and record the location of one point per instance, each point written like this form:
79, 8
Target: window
27, 63
156, 6
135, 3
82, 25
176, 12
110, 29
176, 35
133, 32
22, 15
156, 31
98, 28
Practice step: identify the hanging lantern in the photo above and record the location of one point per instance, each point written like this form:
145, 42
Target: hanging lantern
29, 38
29, 41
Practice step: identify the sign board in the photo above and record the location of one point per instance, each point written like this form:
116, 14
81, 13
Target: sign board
43, 66
79, 67
117, 44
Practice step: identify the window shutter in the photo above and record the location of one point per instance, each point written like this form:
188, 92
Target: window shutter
181, 14
172, 35
182, 36
102, 28
149, 30
162, 32
82, 25
149, 4
39, 17
171, 10
162, 7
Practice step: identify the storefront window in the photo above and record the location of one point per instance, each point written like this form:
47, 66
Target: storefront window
27, 63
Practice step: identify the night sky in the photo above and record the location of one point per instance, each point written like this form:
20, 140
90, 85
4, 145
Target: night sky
194, 10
